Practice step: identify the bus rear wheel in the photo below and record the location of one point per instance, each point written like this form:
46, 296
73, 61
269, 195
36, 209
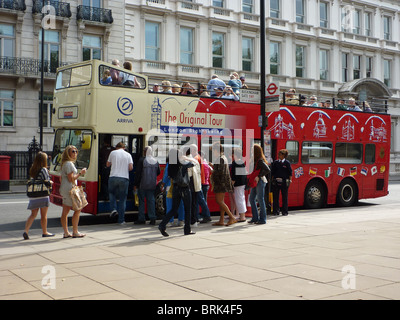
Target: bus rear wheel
347, 193
314, 196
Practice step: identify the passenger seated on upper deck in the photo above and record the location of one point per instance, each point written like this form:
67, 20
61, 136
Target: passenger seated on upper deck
327, 104
341, 105
312, 102
218, 92
128, 79
291, 98
229, 94
106, 80
176, 89
367, 107
166, 85
187, 89
203, 91
353, 106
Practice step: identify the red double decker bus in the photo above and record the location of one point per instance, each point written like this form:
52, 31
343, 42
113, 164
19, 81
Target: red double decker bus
337, 156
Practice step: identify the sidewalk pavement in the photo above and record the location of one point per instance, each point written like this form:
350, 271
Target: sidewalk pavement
325, 254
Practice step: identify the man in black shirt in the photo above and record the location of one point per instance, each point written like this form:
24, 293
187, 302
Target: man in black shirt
281, 172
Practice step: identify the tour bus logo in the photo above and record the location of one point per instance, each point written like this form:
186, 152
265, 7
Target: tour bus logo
125, 106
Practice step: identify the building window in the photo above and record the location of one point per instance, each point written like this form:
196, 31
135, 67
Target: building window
7, 40
274, 58
356, 21
47, 110
323, 64
51, 50
345, 67
186, 45
387, 28
218, 49
386, 72
247, 6
367, 24
6, 108
92, 3
300, 11
91, 48
300, 62
274, 8
368, 66
323, 15
356, 67
218, 3
152, 40
247, 54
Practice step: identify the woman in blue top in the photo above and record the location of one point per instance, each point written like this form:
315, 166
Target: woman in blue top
235, 82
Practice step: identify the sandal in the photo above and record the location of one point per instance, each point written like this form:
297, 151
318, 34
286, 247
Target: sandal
67, 235
231, 221
78, 235
218, 224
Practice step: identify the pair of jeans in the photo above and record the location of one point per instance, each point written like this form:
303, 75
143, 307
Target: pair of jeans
179, 194
151, 204
118, 189
205, 212
258, 193
181, 210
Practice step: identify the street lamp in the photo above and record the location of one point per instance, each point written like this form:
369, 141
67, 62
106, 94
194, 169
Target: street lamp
263, 73
41, 84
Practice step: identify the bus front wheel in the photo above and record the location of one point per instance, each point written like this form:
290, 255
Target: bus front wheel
347, 193
314, 196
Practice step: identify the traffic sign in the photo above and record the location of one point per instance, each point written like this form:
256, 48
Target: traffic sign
272, 97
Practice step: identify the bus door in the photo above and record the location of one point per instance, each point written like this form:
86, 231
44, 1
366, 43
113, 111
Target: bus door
136, 151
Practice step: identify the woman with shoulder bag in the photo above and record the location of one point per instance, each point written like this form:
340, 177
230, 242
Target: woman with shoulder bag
178, 171
69, 175
260, 163
39, 171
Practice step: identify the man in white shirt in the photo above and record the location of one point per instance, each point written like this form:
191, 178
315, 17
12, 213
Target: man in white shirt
121, 163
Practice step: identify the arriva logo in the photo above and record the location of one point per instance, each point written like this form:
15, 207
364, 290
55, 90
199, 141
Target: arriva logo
125, 106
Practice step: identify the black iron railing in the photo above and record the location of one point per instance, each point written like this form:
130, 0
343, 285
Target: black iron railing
61, 9
13, 5
26, 66
94, 14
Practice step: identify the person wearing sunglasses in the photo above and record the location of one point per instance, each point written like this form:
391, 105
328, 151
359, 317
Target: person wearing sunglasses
69, 175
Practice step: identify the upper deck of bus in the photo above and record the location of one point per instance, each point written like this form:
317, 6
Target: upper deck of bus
81, 101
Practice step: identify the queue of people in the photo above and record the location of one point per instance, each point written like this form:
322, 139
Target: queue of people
350, 105
187, 179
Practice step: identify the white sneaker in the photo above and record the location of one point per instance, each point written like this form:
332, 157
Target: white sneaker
113, 214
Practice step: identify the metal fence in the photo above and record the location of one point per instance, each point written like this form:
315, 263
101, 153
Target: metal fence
19, 164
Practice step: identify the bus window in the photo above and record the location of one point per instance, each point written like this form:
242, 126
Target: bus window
73, 77
369, 153
161, 144
293, 148
350, 153
81, 139
316, 152
105, 71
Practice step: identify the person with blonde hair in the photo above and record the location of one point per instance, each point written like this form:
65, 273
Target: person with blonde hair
69, 175
39, 171
166, 85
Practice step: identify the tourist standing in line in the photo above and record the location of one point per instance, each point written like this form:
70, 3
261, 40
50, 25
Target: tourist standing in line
257, 193
145, 182
121, 163
221, 183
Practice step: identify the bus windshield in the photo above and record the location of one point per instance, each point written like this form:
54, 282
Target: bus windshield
81, 139
74, 77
